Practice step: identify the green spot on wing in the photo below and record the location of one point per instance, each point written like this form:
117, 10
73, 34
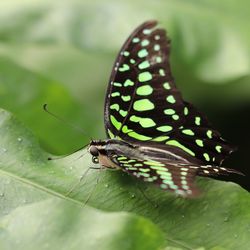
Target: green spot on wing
123, 113
171, 99
169, 111
144, 65
139, 136
126, 98
165, 128
125, 67
166, 85
145, 42
144, 90
197, 120
187, 132
144, 122
209, 134
218, 148
179, 145
199, 142
142, 53
115, 107
143, 105
206, 156
144, 76
115, 123
128, 82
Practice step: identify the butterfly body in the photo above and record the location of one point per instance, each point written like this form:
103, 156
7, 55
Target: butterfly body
153, 134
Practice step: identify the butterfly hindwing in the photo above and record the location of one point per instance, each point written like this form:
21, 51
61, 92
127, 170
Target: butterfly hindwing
169, 176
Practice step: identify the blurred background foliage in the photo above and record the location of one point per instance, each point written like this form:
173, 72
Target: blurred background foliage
62, 52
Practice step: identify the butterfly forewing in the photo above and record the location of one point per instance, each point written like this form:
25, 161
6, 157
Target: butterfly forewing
140, 87
143, 104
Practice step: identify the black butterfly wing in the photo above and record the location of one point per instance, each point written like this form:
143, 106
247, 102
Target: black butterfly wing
168, 176
143, 104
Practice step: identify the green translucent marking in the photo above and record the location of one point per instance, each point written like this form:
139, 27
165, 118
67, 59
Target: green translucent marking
126, 98
145, 175
145, 76
164, 173
154, 163
146, 31
179, 145
156, 47
165, 128
144, 170
123, 113
169, 111
162, 72
197, 120
135, 40
166, 85
187, 132
209, 134
143, 105
125, 129
144, 122
183, 182
158, 59
185, 111
142, 53
158, 168
115, 123
126, 53
138, 165
120, 158
206, 156
139, 136
161, 138
175, 117
115, 94
145, 42
125, 67
157, 37
171, 99
132, 160
183, 173
111, 135
150, 179
115, 107
164, 186
131, 168
132, 61
144, 65
199, 142
117, 84
218, 148
144, 90
128, 82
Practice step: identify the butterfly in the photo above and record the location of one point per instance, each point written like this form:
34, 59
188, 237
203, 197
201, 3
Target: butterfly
153, 134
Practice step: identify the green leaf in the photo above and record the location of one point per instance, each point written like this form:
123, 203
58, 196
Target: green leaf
187, 223
33, 216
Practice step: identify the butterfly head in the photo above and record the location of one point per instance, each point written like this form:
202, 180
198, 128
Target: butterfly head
95, 148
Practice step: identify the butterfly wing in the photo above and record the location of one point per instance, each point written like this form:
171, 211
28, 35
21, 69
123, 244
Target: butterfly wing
143, 104
169, 176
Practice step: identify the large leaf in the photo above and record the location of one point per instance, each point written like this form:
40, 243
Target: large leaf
220, 218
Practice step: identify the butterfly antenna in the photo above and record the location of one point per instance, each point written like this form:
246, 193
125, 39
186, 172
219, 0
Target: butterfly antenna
45, 108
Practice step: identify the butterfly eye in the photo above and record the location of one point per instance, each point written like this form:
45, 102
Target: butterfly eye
95, 159
94, 151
